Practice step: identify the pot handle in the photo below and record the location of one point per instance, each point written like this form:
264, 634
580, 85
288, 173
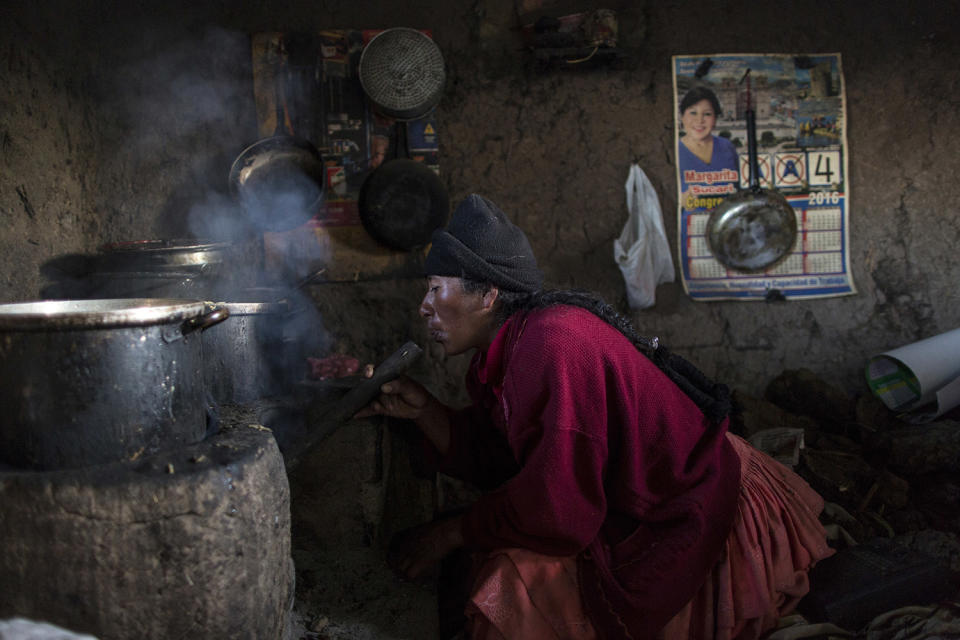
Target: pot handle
215, 315
211, 316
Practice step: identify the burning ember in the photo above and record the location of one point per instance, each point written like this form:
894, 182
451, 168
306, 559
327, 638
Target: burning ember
334, 366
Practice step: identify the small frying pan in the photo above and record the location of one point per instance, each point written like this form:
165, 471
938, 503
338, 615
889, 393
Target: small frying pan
402, 201
754, 229
279, 180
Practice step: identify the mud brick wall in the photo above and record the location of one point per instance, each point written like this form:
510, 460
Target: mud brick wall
120, 122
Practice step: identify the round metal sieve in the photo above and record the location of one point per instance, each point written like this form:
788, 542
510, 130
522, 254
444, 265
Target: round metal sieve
402, 73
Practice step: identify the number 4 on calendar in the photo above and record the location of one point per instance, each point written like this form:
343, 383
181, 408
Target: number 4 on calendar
824, 168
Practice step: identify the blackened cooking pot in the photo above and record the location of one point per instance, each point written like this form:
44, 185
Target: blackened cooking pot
164, 255
86, 382
182, 285
186, 269
245, 358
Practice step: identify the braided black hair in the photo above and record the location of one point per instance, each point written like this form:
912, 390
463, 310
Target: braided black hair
711, 397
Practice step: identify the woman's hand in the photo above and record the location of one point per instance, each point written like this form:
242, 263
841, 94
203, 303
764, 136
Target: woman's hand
414, 552
408, 400
400, 398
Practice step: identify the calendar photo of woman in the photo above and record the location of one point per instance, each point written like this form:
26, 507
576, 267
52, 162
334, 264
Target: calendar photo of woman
799, 108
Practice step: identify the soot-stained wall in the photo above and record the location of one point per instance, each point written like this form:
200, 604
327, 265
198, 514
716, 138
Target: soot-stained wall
119, 121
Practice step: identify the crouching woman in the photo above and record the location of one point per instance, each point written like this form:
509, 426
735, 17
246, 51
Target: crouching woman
619, 506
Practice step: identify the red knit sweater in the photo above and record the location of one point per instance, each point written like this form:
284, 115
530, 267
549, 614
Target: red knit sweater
595, 452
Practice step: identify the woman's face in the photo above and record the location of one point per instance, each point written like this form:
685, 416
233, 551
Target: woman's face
457, 320
698, 120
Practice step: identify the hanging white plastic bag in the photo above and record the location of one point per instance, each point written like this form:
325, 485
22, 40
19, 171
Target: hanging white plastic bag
642, 251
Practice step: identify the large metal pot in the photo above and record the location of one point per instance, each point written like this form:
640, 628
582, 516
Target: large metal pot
188, 269
166, 255
183, 285
86, 382
245, 359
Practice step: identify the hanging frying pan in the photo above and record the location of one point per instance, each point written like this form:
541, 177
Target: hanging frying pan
754, 229
279, 180
402, 201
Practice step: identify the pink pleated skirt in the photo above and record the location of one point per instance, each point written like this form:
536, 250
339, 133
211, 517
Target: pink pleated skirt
775, 539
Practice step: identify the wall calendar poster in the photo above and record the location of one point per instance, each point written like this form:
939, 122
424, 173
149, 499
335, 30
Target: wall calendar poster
800, 112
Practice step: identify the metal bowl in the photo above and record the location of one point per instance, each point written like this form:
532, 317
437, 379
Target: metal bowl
162, 255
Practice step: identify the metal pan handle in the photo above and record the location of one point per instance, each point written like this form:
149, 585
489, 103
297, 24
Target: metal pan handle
213, 315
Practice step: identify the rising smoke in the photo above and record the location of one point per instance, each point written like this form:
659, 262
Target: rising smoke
185, 111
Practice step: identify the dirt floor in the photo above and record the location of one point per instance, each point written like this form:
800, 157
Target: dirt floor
348, 497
